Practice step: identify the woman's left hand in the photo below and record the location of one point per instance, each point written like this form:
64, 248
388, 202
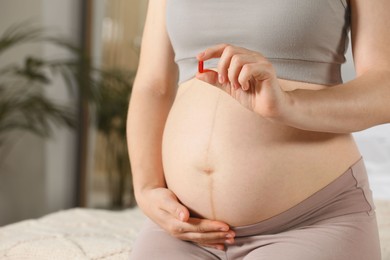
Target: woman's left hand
248, 77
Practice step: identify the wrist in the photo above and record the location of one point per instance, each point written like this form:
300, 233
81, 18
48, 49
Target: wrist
141, 191
284, 112
289, 108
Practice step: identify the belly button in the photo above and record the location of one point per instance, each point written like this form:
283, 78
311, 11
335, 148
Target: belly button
208, 171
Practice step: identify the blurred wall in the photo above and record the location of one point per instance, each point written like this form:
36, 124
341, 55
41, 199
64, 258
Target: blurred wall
64, 18
37, 176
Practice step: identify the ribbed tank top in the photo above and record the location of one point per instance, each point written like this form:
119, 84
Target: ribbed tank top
305, 40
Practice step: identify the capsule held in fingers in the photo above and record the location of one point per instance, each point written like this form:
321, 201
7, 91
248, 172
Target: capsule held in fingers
200, 66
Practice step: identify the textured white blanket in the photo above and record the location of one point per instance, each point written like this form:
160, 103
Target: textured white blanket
100, 234
72, 234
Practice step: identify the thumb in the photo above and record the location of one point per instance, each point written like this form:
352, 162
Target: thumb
209, 76
181, 213
176, 209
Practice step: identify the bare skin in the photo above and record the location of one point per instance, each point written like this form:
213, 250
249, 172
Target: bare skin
226, 163
215, 154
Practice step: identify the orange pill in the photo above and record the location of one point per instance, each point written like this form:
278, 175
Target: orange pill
200, 66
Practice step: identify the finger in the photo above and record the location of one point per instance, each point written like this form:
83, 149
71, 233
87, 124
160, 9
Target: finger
225, 53
196, 225
211, 77
225, 62
236, 65
195, 232
207, 238
260, 71
212, 52
246, 76
206, 225
215, 246
257, 71
171, 205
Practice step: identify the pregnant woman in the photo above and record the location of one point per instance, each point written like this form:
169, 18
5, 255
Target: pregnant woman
253, 158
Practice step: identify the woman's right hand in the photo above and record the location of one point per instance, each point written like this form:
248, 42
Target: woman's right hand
162, 206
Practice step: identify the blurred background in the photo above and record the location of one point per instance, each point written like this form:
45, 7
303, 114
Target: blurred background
77, 71
81, 55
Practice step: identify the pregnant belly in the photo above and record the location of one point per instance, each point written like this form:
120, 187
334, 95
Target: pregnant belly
224, 162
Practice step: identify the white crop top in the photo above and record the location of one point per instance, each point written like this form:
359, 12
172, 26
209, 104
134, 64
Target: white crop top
305, 40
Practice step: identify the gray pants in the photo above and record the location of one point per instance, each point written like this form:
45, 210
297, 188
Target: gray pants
337, 222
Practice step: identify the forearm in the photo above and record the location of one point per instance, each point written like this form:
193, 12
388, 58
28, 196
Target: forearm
148, 111
350, 107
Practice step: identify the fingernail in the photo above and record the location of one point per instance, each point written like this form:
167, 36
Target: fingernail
220, 78
224, 229
220, 248
200, 55
229, 241
181, 216
229, 235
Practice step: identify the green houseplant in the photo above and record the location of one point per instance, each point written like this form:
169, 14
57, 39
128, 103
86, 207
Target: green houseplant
25, 107
111, 114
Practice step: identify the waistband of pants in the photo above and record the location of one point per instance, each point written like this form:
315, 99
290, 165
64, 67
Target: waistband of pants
347, 194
